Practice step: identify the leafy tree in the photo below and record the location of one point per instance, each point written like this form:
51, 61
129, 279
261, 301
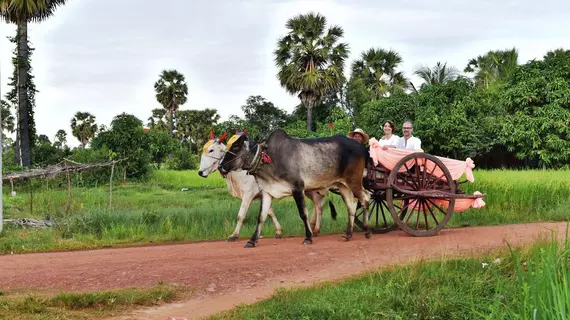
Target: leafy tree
377, 69
439, 74
310, 61
60, 138
171, 92
158, 120
42, 139
445, 124
494, 66
13, 95
44, 153
233, 124
161, 144
83, 127
127, 140
7, 117
194, 125
398, 108
356, 97
264, 115
537, 100
21, 12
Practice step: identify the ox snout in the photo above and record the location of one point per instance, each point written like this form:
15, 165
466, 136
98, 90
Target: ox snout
201, 174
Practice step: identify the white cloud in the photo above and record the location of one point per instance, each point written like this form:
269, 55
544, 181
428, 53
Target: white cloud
103, 56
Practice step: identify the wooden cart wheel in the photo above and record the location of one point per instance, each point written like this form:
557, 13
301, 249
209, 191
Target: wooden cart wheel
379, 217
420, 172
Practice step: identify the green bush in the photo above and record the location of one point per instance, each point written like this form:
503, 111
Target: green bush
182, 159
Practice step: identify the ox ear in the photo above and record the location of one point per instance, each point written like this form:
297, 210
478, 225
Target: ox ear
223, 137
211, 134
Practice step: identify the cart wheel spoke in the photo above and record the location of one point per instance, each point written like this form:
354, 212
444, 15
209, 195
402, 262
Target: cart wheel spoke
420, 172
377, 224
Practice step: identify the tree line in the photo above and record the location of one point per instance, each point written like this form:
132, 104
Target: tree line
502, 113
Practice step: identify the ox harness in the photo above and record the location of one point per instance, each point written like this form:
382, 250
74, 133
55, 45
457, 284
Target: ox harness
259, 157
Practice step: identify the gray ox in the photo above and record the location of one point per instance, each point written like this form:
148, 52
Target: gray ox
244, 187
297, 166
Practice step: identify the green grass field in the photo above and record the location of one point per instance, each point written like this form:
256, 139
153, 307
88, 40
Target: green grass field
529, 283
159, 211
89, 305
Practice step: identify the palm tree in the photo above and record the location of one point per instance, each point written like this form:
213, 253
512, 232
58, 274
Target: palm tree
493, 66
20, 12
310, 59
377, 69
60, 138
83, 127
439, 74
172, 92
157, 121
7, 117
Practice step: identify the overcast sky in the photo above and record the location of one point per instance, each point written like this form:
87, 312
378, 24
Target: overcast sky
103, 56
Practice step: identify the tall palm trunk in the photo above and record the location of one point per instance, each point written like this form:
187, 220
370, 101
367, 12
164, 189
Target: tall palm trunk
171, 120
23, 93
309, 115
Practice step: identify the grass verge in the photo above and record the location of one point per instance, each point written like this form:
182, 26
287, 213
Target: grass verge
527, 283
181, 206
91, 305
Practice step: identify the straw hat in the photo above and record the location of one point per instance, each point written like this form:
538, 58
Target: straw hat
358, 130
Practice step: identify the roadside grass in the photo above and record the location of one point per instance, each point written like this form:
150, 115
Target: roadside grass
176, 206
90, 305
526, 283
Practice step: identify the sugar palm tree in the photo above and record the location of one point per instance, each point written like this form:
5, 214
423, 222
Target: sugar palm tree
377, 69
493, 66
20, 12
439, 74
311, 59
171, 92
83, 127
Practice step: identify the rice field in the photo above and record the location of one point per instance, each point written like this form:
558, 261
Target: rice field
177, 206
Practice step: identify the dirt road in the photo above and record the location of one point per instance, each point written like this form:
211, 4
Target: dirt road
226, 274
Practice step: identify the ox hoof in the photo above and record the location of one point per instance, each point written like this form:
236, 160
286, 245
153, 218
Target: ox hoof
232, 238
368, 235
278, 236
249, 245
345, 238
307, 241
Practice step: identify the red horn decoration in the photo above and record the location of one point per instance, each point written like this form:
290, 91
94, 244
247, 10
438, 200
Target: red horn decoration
223, 137
211, 134
237, 131
244, 132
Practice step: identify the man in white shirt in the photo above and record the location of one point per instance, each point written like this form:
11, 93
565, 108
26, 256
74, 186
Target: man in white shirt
407, 141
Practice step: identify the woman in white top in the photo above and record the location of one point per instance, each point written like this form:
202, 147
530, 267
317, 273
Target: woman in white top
389, 139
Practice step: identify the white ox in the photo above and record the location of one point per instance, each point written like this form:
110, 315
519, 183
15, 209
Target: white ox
240, 184
244, 186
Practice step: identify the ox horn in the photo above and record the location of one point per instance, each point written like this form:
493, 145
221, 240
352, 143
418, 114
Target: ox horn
223, 137
211, 134
244, 132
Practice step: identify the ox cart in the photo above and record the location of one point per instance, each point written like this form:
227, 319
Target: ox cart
414, 191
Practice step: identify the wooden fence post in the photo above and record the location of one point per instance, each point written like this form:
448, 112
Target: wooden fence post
111, 186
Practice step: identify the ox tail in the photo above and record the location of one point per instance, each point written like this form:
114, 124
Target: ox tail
333, 210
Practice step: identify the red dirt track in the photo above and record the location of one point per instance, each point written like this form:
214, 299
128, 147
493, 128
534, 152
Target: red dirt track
226, 274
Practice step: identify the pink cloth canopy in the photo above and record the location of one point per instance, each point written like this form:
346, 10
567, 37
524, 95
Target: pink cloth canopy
391, 156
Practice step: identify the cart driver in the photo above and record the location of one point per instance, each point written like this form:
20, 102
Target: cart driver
359, 135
